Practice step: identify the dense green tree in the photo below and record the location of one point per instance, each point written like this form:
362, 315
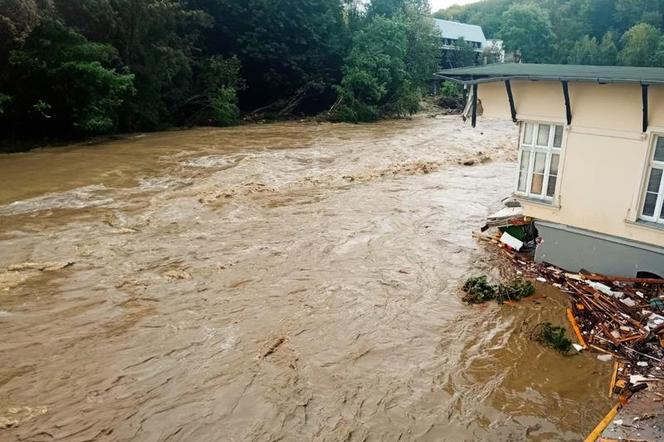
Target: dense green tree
634, 11
597, 16
157, 40
64, 83
387, 68
563, 18
218, 81
571, 19
463, 55
146, 64
19, 17
5, 100
391, 8
573, 24
585, 51
287, 47
526, 29
374, 70
454, 13
487, 13
589, 51
90, 66
98, 20
640, 45
423, 37
608, 50
658, 58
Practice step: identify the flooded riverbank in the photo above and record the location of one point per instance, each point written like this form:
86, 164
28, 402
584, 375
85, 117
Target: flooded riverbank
293, 281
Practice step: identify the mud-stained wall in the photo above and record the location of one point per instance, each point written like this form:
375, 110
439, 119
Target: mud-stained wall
605, 155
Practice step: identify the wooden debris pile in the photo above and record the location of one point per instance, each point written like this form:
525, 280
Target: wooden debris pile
621, 318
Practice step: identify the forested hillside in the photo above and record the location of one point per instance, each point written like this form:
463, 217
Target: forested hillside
74, 68
600, 32
71, 68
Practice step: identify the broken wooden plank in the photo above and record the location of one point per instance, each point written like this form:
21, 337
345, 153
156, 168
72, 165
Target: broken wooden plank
608, 334
605, 278
614, 374
604, 350
595, 434
630, 338
575, 327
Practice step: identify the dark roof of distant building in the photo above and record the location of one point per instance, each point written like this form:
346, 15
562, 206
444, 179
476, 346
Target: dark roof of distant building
556, 72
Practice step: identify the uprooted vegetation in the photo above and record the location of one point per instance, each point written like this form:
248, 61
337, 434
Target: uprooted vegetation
479, 290
552, 336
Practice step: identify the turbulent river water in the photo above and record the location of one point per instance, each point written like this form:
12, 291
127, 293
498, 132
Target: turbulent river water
291, 281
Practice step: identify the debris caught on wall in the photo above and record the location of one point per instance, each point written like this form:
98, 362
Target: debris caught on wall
620, 319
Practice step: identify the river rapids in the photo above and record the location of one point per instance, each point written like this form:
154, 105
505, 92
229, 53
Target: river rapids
290, 281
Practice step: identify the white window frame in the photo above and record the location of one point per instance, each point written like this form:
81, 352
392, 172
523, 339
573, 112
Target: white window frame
548, 150
653, 164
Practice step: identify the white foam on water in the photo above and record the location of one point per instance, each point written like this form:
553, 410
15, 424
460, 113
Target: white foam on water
79, 198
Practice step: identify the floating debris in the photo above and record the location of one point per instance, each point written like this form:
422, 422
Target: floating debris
511, 241
176, 274
15, 416
478, 290
552, 336
41, 266
515, 290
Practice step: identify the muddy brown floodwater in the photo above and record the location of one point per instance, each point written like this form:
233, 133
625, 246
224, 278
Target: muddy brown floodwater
292, 281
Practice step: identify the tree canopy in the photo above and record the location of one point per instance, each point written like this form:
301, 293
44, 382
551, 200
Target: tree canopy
73, 68
390, 60
599, 32
80, 67
62, 80
526, 29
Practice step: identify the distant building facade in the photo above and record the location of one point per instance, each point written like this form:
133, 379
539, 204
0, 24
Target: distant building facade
452, 31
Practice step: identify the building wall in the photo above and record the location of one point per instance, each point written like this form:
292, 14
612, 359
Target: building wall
604, 157
577, 249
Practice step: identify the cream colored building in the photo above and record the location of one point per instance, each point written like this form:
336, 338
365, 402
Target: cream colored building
591, 159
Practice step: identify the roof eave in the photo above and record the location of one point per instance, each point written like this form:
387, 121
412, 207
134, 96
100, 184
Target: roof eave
469, 81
